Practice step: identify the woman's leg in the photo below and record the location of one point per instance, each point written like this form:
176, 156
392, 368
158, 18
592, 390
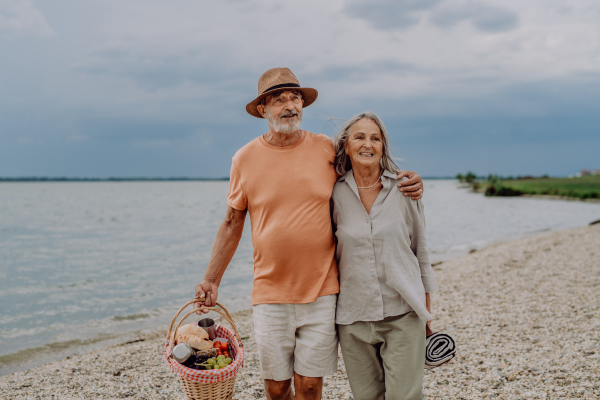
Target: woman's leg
362, 360
403, 355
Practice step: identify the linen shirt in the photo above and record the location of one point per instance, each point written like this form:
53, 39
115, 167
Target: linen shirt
382, 256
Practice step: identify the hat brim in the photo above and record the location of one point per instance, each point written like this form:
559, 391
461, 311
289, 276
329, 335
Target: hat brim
309, 95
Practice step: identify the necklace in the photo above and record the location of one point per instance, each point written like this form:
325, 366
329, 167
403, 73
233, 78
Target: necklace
369, 187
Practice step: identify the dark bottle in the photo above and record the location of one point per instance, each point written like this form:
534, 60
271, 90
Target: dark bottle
184, 354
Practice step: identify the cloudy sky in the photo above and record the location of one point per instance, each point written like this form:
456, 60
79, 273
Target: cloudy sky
157, 88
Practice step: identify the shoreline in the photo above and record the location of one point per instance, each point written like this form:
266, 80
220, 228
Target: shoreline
525, 314
57, 351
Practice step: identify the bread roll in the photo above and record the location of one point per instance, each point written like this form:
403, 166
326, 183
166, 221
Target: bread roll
192, 329
195, 336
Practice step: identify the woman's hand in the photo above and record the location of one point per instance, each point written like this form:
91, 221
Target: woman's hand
412, 187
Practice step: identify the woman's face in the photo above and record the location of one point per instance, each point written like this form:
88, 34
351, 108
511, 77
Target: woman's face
364, 145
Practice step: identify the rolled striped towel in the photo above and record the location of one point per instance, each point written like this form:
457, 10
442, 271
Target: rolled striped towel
439, 349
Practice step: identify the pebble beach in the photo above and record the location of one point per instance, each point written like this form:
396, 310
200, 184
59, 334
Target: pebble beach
525, 315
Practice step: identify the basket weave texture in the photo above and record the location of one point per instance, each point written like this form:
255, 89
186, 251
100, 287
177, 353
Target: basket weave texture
212, 384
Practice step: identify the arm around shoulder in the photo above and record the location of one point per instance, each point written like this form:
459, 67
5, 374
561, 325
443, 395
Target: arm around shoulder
412, 186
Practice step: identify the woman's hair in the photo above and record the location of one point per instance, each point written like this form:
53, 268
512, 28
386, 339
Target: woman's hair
342, 161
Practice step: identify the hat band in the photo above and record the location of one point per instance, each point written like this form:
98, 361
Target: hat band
283, 85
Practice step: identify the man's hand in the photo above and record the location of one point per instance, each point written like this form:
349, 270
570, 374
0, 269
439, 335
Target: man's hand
413, 187
206, 290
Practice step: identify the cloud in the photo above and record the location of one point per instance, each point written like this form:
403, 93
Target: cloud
389, 14
155, 66
26, 141
143, 78
484, 17
154, 143
77, 138
21, 16
402, 14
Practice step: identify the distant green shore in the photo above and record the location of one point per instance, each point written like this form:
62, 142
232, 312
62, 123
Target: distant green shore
114, 179
583, 187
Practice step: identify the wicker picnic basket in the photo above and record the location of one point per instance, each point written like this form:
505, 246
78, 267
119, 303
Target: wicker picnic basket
214, 384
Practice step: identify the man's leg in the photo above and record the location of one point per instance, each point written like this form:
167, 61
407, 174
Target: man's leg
315, 355
279, 390
275, 336
307, 388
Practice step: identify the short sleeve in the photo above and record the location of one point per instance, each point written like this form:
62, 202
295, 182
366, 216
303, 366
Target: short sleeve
236, 197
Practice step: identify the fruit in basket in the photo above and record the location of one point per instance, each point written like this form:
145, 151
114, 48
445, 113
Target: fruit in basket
209, 353
213, 358
225, 346
217, 344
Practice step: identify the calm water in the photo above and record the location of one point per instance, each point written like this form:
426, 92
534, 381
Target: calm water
84, 264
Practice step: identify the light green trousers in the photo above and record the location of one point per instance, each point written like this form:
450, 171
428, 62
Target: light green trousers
385, 359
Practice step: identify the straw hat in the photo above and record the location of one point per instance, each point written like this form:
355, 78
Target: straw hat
277, 79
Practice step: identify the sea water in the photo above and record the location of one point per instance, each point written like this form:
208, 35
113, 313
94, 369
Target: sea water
85, 264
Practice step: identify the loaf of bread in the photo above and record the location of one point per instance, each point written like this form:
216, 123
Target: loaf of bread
195, 336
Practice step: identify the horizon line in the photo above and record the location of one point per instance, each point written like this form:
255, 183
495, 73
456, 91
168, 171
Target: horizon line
133, 179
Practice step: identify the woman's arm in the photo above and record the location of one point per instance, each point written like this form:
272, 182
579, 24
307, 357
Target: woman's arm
418, 245
428, 307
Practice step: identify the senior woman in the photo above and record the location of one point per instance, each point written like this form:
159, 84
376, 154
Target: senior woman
385, 274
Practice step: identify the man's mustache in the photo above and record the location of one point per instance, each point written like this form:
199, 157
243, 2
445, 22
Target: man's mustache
288, 112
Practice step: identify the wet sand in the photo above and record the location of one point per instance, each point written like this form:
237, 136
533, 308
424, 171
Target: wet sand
525, 315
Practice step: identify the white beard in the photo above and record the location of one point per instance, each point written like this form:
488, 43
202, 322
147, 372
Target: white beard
283, 127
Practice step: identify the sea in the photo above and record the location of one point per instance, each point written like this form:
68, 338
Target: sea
88, 264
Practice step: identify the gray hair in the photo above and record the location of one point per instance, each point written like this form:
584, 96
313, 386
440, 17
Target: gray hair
342, 162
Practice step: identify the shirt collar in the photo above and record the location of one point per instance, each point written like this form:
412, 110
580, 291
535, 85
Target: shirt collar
390, 175
349, 175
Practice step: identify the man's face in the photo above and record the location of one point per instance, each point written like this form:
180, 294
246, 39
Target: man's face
283, 110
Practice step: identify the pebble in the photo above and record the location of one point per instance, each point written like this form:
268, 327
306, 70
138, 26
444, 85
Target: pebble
525, 315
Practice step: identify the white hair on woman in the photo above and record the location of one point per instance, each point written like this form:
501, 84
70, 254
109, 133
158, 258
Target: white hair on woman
342, 160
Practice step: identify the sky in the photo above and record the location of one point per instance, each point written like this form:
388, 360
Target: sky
145, 88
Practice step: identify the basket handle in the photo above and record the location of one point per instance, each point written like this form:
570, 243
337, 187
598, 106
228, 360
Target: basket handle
223, 311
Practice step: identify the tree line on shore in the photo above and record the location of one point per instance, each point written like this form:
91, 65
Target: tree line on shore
584, 187
110, 179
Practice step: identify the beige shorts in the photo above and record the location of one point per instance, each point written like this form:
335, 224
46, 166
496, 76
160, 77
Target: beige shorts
297, 338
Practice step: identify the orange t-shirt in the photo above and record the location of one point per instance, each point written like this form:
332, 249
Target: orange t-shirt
286, 191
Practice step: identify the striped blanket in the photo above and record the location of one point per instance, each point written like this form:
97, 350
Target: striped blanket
439, 349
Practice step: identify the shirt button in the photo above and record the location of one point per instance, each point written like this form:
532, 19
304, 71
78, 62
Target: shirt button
368, 239
368, 221
371, 257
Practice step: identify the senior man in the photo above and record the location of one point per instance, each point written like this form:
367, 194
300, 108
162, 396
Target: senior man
284, 180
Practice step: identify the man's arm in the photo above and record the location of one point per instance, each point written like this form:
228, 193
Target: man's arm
412, 187
226, 243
